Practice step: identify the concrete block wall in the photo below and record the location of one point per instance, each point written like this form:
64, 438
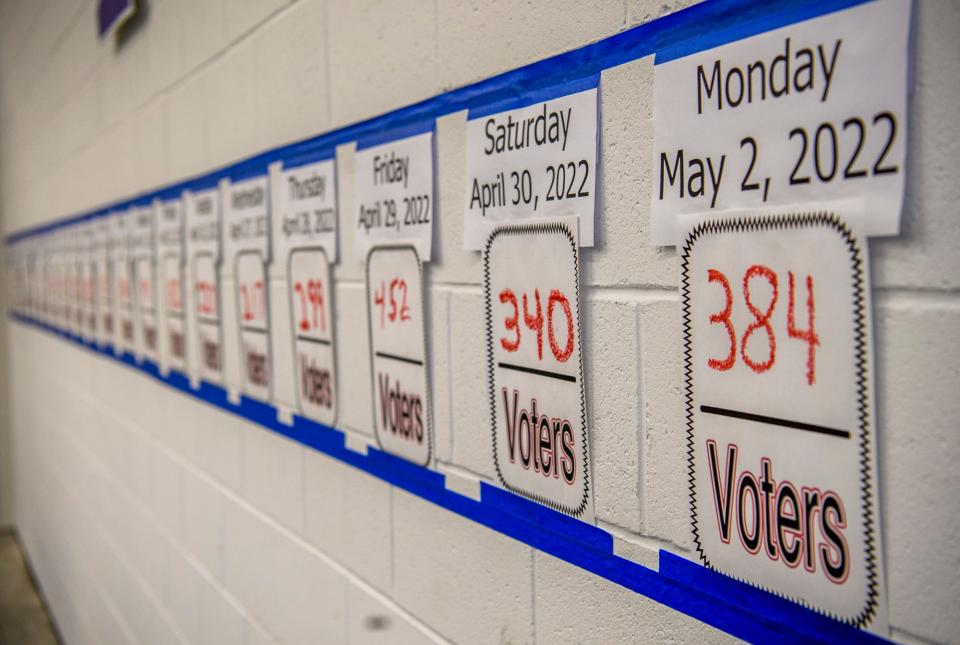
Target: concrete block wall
150, 517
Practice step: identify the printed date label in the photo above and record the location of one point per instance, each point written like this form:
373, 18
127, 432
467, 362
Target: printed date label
815, 111
535, 161
394, 194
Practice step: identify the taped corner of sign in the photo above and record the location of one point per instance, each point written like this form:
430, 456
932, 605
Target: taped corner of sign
642, 551
457, 481
356, 443
233, 394
284, 414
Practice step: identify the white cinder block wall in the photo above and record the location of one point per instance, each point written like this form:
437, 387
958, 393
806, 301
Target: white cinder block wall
149, 517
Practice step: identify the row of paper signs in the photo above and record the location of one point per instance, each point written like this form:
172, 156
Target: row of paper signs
773, 157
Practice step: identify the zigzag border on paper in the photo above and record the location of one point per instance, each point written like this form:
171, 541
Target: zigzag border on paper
536, 229
792, 221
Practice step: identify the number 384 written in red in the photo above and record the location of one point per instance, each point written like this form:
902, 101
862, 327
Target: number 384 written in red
758, 360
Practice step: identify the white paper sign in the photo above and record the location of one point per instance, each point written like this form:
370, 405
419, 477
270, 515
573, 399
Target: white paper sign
311, 314
246, 221
34, 285
398, 354
170, 245
202, 221
532, 300
305, 199
87, 280
142, 248
394, 193
105, 304
69, 269
304, 235
815, 111
779, 394
253, 314
123, 281
533, 162
53, 276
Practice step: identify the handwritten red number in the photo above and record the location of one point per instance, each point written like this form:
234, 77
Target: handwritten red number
511, 323
809, 335
398, 312
378, 299
206, 301
311, 305
562, 355
722, 365
315, 295
173, 295
253, 300
304, 322
534, 323
762, 319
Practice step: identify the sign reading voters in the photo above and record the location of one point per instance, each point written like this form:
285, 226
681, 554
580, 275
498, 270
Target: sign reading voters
779, 399
535, 362
398, 353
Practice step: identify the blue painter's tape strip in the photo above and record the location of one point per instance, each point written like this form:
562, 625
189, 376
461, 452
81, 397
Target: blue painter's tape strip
688, 587
780, 610
403, 131
250, 170
307, 157
739, 23
539, 95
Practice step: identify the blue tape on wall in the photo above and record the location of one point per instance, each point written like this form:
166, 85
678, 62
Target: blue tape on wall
713, 598
539, 95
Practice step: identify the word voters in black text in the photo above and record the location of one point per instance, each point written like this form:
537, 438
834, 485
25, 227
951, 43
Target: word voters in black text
534, 161
531, 295
311, 311
394, 194
810, 112
401, 395
782, 447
